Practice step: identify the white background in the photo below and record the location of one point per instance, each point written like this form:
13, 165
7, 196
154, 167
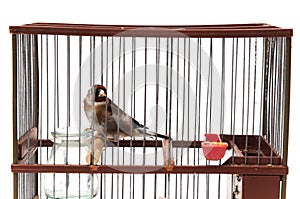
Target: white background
279, 13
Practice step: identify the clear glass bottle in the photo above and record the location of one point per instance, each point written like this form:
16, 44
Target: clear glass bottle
70, 148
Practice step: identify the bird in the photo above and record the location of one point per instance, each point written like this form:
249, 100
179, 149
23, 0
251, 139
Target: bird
109, 120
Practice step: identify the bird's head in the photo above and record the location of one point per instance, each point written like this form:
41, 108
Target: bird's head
98, 92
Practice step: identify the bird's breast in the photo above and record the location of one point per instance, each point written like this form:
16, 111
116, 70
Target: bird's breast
100, 110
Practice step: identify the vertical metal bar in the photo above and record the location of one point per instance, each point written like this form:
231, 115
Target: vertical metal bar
27, 94
134, 100
118, 112
211, 67
35, 101
27, 81
170, 113
282, 99
102, 77
132, 113
112, 67
118, 101
34, 108
55, 95
223, 85
27, 113
209, 107
183, 111
157, 48
170, 152
243, 100
233, 92
167, 99
199, 67
93, 58
235, 82
196, 115
47, 85
92, 82
79, 107
68, 98
286, 114
68, 112
207, 121
57, 80
278, 95
19, 78
248, 99
23, 82
35, 83
235, 89
265, 89
105, 141
145, 115
15, 107
271, 94
167, 84
102, 61
33, 119
248, 94
188, 112
124, 94
112, 89
177, 113
55, 100
40, 129
275, 91
23, 103
254, 85
222, 107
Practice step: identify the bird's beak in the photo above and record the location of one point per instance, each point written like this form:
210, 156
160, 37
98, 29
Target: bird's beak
102, 94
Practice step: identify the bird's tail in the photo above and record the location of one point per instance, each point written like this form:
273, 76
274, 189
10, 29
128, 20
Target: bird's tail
152, 134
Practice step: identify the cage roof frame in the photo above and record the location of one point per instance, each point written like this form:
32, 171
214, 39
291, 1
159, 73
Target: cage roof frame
209, 31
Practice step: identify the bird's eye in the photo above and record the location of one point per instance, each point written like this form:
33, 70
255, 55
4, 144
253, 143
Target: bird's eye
97, 92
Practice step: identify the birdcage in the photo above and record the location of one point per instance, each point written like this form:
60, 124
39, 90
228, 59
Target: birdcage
218, 95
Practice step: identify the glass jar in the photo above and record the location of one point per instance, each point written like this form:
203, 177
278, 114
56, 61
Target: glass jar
70, 148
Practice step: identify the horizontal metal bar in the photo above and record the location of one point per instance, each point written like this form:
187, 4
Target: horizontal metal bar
238, 30
140, 143
139, 169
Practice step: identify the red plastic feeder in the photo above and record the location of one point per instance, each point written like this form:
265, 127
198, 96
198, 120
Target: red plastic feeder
213, 148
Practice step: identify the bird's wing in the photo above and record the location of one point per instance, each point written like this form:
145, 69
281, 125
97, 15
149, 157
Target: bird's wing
127, 124
122, 119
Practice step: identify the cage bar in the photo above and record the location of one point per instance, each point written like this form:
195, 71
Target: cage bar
186, 82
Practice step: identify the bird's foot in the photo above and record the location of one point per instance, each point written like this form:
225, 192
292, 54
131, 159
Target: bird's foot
93, 159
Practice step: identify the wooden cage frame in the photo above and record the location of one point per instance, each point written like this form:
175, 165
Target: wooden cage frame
277, 171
